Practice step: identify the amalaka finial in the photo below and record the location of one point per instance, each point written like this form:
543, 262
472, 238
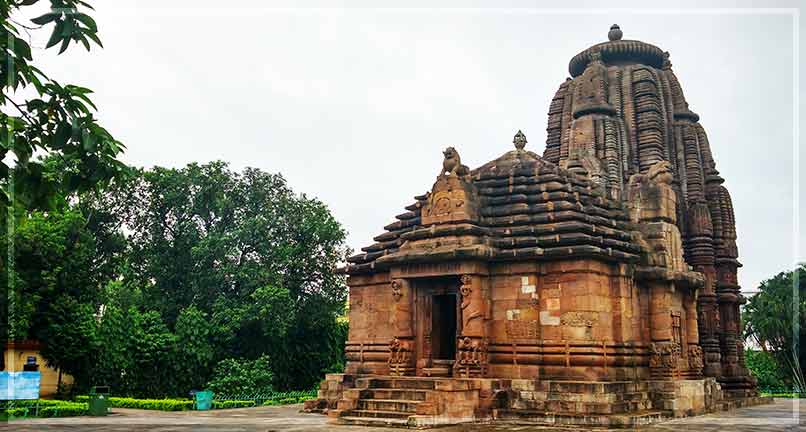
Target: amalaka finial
519, 140
615, 33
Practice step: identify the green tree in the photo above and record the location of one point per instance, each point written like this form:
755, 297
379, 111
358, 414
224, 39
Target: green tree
61, 268
57, 119
773, 319
235, 377
194, 350
70, 333
244, 249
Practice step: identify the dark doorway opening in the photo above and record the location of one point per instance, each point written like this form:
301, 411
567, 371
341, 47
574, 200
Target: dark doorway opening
443, 327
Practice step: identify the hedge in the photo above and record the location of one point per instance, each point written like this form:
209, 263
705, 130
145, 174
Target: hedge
146, 404
46, 408
222, 402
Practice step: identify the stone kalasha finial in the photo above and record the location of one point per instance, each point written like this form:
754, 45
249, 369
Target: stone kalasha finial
519, 140
615, 33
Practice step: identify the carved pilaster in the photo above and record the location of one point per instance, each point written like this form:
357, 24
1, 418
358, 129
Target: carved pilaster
401, 360
400, 357
471, 352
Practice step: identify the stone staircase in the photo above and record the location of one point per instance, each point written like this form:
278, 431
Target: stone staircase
406, 401
439, 368
609, 404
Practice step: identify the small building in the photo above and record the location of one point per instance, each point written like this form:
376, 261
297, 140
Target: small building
592, 285
18, 354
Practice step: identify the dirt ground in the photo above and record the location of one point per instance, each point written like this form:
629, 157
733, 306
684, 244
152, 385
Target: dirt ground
783, 415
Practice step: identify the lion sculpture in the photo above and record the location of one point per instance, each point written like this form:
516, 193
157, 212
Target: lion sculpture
452, 164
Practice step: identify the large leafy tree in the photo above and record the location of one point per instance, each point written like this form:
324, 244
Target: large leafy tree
41, 116
63, 261
774, 320
243, 251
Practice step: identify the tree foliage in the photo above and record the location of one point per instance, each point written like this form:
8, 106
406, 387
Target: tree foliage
773, 319
181, 269
42, 116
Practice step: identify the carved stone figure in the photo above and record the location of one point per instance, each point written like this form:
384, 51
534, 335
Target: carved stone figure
695, 360
452, 164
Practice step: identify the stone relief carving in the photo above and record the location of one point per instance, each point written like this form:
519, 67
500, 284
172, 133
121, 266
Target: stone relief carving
664, 355
396, 289
578, 319
695, 357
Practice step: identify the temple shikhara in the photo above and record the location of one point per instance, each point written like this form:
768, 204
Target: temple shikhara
593, 285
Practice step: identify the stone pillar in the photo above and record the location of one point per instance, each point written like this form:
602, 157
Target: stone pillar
401, 348
471, 352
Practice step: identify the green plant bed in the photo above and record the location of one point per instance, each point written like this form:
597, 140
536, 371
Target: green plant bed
42, 409
786, 394
146, 404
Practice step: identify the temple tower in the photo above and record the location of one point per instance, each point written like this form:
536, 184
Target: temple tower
621, 112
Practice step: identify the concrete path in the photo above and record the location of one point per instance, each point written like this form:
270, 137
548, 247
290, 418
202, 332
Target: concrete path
783, 415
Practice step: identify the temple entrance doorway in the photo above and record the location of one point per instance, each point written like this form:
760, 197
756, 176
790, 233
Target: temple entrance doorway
443, 325
437, 325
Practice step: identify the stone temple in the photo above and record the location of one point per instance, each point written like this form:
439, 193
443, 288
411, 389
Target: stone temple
593, 285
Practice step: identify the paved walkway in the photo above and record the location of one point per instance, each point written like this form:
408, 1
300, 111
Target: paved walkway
780, 416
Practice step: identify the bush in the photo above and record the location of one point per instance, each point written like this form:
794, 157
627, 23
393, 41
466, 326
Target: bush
765, 368
242, 377
46, 408
147, 404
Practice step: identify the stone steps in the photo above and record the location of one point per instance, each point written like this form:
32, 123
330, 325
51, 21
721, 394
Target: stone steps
380, 414
599, 420
397, 394
373, 421
400, 383
388, 405
562, 406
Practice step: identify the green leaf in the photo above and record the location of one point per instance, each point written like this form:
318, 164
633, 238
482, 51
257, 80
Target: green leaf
22, 49
61, 136
28, 2
88, 21
84, 42
95, 38
65, 43
56, 36
46, 18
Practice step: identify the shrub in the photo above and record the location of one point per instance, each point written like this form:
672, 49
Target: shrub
242, 377
46, 408
765, 368
147, 404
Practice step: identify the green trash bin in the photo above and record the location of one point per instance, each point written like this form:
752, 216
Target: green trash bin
204, 400
99, 401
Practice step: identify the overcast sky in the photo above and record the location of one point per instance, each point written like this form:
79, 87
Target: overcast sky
354, 105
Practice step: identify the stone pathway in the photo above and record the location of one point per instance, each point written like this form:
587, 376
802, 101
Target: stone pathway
780, 416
